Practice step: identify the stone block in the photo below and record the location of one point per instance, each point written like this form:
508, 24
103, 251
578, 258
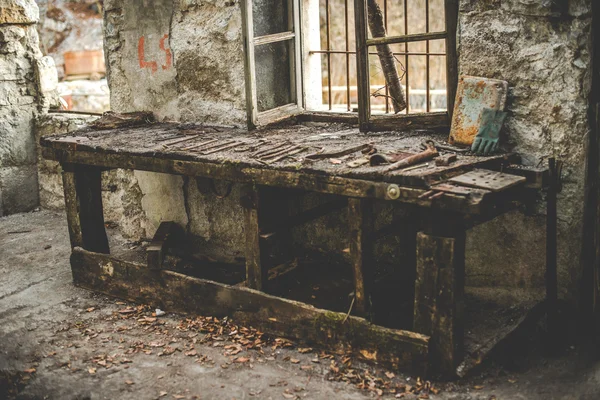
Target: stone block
19, 188
17, 145
46, 74
19, 12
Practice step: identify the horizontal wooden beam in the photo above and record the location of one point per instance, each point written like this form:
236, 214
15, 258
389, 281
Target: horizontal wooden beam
433, 120
157, 249
274, 38
305, 216
336, 185
417, 37
402, 350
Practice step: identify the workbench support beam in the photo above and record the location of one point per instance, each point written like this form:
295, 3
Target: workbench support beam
256, 273
263, 206
360, 222
83, 201
439, 297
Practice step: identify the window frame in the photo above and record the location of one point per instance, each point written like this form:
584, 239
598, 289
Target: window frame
364, 118
254, 116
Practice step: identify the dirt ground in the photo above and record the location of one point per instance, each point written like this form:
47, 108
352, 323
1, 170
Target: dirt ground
61, 342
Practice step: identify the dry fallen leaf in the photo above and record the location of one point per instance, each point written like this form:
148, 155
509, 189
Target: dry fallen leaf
90, 309
241, 360
162, 394
92, 371
30, 370
129, 382
335, 161
305, 350
477, 387
294, 361
191, 353
390, 375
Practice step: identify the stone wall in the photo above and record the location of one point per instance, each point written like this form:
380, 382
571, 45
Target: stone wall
542, 48
27, 86
183, 60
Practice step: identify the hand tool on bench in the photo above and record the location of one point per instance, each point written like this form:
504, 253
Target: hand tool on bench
365, 148
418, 158
446, 147
445, 160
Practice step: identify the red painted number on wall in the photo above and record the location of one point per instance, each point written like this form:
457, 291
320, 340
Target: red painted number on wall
153, 65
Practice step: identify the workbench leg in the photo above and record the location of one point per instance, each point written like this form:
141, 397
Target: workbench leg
439, 296
83, 203
360, 221
256, 268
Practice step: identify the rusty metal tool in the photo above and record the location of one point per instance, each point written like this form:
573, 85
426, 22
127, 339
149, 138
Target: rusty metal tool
358, 163
334, 154
223, 148
215, 145
279, 152
201, 144
445, 147
170, 137
425, 155
445, 160
264, 152
185, 139
291, 153
431, 195
218, 147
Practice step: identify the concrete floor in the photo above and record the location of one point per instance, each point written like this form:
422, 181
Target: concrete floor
61, 342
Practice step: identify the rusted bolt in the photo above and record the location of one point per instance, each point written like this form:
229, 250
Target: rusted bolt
393, 192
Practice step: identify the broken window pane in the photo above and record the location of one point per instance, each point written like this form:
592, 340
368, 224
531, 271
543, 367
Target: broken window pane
270, 16
274, 83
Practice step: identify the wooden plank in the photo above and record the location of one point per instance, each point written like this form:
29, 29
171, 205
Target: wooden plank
407, 351
439, 296
273, 38
303, 217
415, 37
249, 64
256, 271
72, 208
361, 229
350, 187
451, 8
362, 64
83, 199
157, 249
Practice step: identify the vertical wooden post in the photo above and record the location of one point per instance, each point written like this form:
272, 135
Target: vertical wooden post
439, 293
360, 222
83, 203
264, 208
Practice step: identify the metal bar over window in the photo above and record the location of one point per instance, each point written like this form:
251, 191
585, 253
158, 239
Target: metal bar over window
364, 43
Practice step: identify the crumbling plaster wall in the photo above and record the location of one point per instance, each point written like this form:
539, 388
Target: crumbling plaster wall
543, 55
542, 48
27, 87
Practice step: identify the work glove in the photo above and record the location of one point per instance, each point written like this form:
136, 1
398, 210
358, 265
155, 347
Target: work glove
488, 136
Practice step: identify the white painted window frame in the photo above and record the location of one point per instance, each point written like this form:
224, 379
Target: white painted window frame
256, 118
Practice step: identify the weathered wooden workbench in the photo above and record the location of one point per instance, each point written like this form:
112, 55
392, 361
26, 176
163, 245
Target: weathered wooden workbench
281, 158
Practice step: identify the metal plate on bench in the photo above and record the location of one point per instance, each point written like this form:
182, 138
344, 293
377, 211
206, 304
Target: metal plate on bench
456, 189
490, 180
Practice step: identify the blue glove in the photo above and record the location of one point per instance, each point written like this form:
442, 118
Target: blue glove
488, 137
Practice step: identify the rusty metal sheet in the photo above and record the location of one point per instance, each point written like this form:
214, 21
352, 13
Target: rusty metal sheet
489, 180
473, 95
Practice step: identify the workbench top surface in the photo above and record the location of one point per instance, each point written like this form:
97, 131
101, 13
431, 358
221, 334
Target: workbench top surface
173, 141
